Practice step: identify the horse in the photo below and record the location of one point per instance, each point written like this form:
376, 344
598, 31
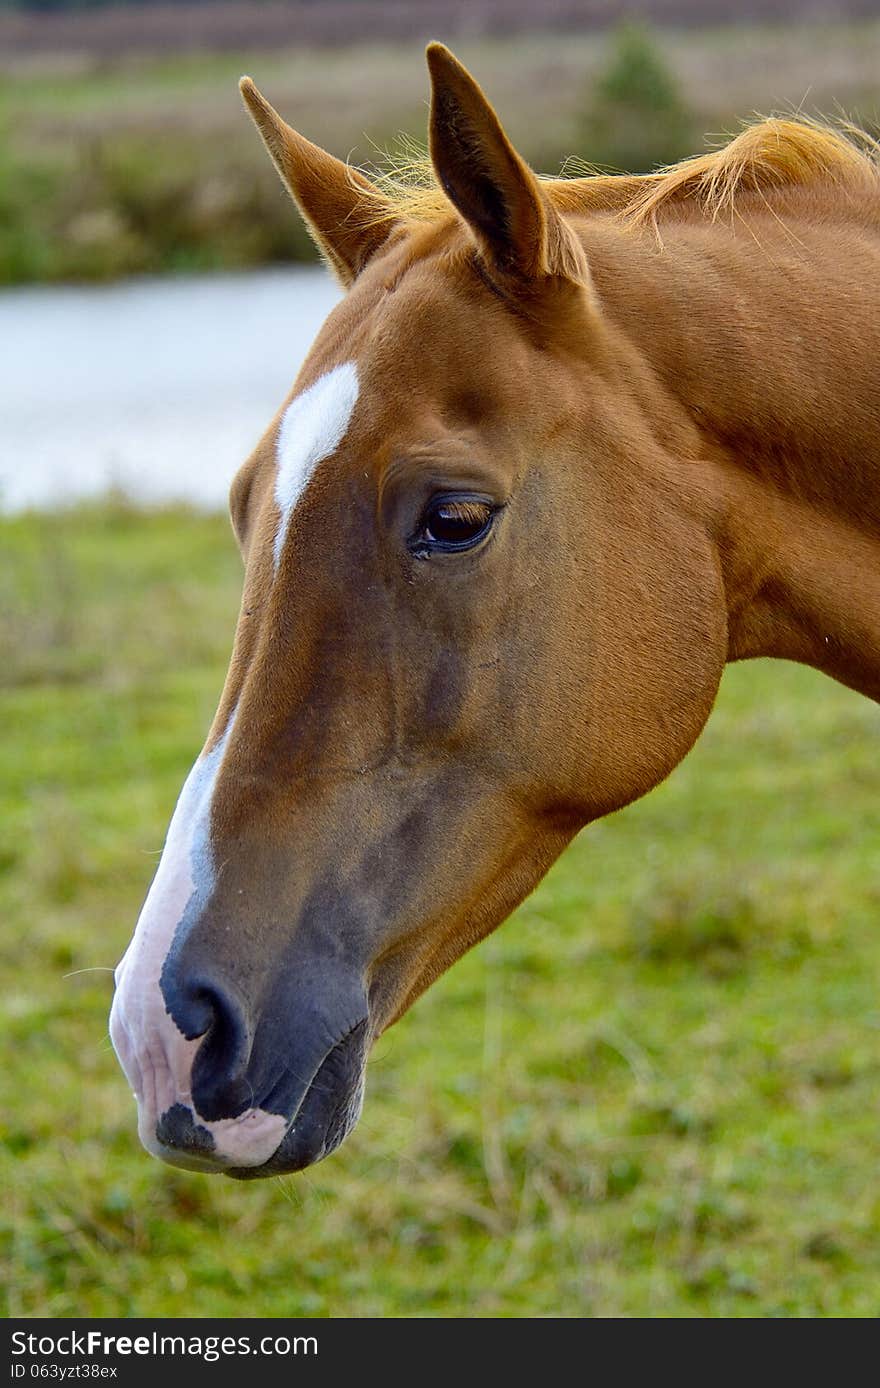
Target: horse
564, 449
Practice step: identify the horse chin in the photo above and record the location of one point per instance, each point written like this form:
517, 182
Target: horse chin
328, 1113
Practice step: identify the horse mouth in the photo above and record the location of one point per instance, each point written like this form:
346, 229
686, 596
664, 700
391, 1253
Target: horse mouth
328, 1112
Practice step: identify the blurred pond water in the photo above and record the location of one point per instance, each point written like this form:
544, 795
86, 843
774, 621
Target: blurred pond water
161, 387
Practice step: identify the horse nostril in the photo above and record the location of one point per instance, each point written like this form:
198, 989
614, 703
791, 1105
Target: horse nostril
201, 1006
195, 1011
207, 1009
220, 1087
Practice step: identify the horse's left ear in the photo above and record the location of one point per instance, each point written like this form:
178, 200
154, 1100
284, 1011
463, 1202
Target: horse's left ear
520, 233
344, 212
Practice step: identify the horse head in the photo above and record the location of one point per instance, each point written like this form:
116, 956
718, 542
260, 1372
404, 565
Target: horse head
477, 614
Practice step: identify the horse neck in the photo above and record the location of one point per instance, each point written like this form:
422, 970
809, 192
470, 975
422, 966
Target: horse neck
768, 340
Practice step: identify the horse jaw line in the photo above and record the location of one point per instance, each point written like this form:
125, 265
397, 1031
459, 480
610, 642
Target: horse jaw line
312, 428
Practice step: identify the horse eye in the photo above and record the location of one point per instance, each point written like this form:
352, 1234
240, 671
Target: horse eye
456, 522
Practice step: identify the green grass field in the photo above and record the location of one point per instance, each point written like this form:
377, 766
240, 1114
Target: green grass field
654, 1092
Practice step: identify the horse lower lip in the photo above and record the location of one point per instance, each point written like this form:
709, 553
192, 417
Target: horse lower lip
329, 1110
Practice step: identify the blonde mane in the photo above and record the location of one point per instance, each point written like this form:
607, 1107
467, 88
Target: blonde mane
767, 156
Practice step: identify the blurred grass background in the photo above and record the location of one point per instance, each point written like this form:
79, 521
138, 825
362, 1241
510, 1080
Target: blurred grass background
133, 155
651, 1093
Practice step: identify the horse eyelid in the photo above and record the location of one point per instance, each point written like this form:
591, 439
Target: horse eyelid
422, 545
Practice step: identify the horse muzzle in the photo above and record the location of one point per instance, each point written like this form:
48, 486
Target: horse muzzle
217, 1092
328, 1112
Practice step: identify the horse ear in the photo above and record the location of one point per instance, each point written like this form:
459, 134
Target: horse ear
345, 214
519, 232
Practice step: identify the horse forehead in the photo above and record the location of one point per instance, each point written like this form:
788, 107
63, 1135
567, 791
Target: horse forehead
397, 346
402, 314
378, 351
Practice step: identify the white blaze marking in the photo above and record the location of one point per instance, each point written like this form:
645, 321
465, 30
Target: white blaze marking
312, 428
153, 1052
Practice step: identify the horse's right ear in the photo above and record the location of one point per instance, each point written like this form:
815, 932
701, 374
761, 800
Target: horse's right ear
344, 212
521, 235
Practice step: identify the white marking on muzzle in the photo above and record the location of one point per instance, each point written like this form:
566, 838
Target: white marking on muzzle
312, 428
155, 1055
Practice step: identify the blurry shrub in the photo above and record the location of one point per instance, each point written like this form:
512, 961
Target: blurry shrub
636, 117
114, 205
27, 189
